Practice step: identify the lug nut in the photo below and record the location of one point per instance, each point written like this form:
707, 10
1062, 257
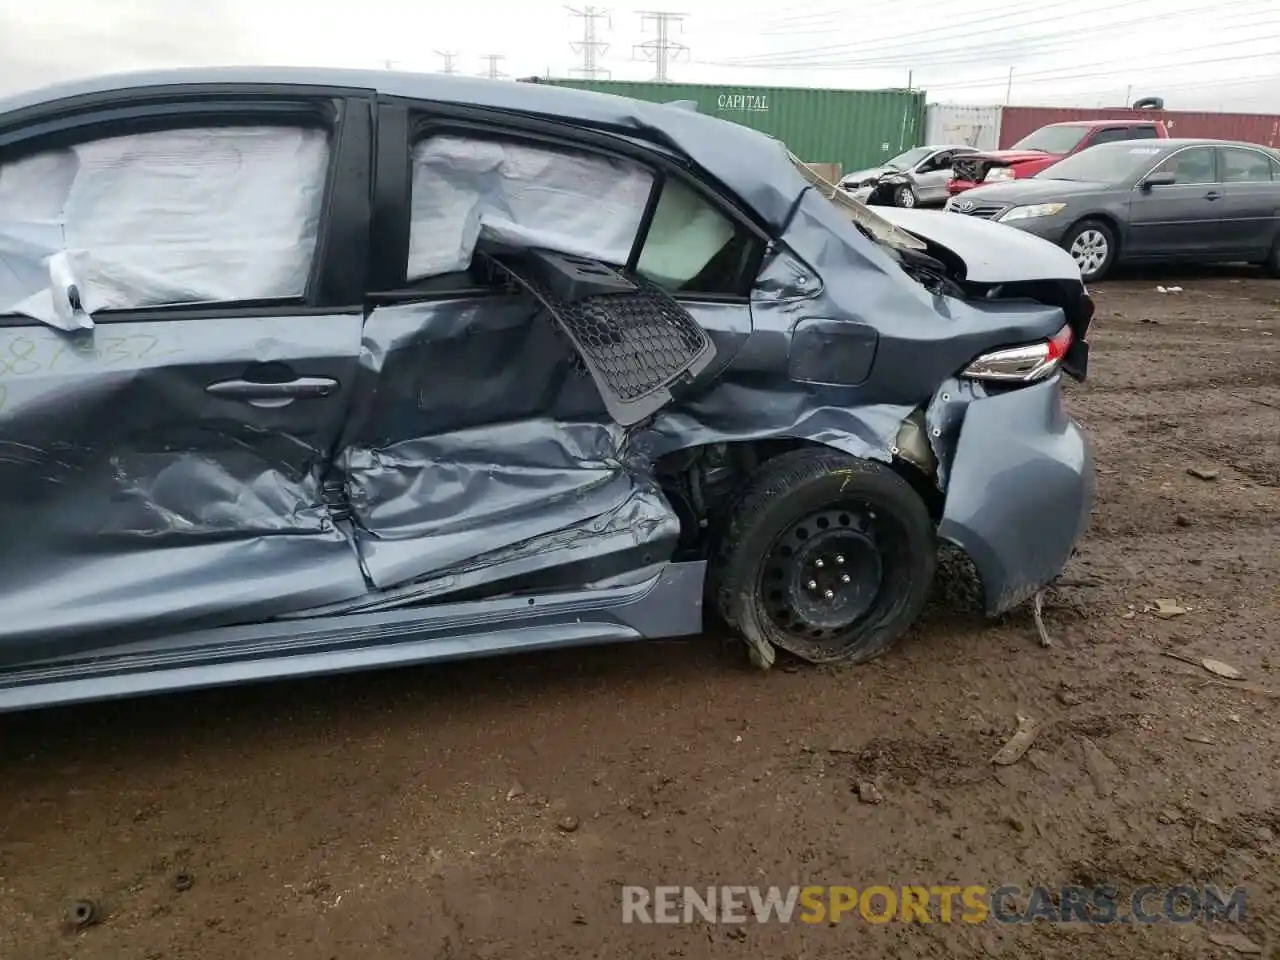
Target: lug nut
829, 595
813, 584
839, 558
818, 563
844, 578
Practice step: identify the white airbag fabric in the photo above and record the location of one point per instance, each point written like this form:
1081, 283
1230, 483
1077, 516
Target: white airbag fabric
186, 216
467, 190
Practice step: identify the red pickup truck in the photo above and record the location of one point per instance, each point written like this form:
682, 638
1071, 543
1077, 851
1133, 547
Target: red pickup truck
1044, 148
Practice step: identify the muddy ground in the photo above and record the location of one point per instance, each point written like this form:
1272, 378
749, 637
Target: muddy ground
422, 813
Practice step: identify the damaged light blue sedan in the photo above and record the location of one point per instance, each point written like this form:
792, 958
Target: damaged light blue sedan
305, 371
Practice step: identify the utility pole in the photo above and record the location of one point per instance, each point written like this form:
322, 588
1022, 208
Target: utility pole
1008, 90
589, 47
493, 59
661, 49
447, 57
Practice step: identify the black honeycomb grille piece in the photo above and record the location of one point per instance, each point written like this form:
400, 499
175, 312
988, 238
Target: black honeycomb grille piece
636, 344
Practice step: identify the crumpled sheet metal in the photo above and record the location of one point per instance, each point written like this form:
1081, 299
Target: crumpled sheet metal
482, 433
214, 215
1016, 452
477, 433
134, 502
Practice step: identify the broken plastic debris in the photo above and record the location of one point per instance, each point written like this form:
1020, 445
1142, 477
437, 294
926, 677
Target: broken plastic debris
1168, 289
1165, 609
1037, 611
1018, 744
1218, 668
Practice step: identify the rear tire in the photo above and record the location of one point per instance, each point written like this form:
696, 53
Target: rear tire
1092, 244
826, 556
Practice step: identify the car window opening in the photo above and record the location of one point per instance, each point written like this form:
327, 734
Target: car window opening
176, 217
470, 191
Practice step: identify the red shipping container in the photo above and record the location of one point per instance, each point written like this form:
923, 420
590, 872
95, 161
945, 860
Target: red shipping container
1017, 122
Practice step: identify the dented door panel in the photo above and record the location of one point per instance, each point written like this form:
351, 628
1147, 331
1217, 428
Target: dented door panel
478, 434
136, 498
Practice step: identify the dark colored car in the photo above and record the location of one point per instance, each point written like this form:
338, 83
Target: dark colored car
1189, 201
309, 371
1041, 149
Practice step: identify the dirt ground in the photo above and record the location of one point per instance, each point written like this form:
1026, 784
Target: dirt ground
495, 808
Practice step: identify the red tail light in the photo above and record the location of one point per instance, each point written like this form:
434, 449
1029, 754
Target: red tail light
1025, 364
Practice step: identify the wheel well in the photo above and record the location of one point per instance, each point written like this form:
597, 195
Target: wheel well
1104, 218
704, 482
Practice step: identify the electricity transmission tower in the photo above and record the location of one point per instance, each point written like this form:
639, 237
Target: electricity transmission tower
447, 57
662, 50
493, 59
589, 47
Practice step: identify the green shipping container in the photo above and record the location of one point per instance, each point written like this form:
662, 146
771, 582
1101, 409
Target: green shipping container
854, 128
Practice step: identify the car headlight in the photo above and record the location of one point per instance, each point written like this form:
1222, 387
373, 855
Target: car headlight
1034, 210
996, 174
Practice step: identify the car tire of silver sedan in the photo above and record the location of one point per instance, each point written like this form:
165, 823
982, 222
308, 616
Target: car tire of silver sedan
1092, 245
905, 196
826, 556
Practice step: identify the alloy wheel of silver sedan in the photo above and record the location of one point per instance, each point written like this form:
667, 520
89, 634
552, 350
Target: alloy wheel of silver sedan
1090, 249
906, 197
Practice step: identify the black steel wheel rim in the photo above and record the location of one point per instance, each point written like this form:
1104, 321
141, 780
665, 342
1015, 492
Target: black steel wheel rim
824, 572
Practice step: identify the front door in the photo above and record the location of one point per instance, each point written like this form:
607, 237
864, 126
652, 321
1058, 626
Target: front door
1182, 220
179, 337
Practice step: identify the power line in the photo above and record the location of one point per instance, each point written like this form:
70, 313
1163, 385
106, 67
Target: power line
447, 57
1044, 76
910, 42
1201, 85
493, 59
589, 47
661, 49
976, 53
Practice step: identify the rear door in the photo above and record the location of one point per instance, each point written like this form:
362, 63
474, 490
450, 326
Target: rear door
1182, 220
163, 463
490, 439
1251, 206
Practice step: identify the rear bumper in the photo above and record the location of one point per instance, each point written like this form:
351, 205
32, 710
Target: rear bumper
959, 186
1020, 491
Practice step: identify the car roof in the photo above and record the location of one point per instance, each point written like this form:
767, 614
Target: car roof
753, 165
1174, 143
1101, 123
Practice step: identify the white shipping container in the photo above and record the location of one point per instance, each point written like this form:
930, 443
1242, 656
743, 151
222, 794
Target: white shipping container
977, 126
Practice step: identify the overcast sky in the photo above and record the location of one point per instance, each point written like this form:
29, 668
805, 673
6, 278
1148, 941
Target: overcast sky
1089, 53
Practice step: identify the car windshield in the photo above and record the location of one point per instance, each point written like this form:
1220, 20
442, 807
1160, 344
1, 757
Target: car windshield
904, 161
1053, 139
1106, 163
